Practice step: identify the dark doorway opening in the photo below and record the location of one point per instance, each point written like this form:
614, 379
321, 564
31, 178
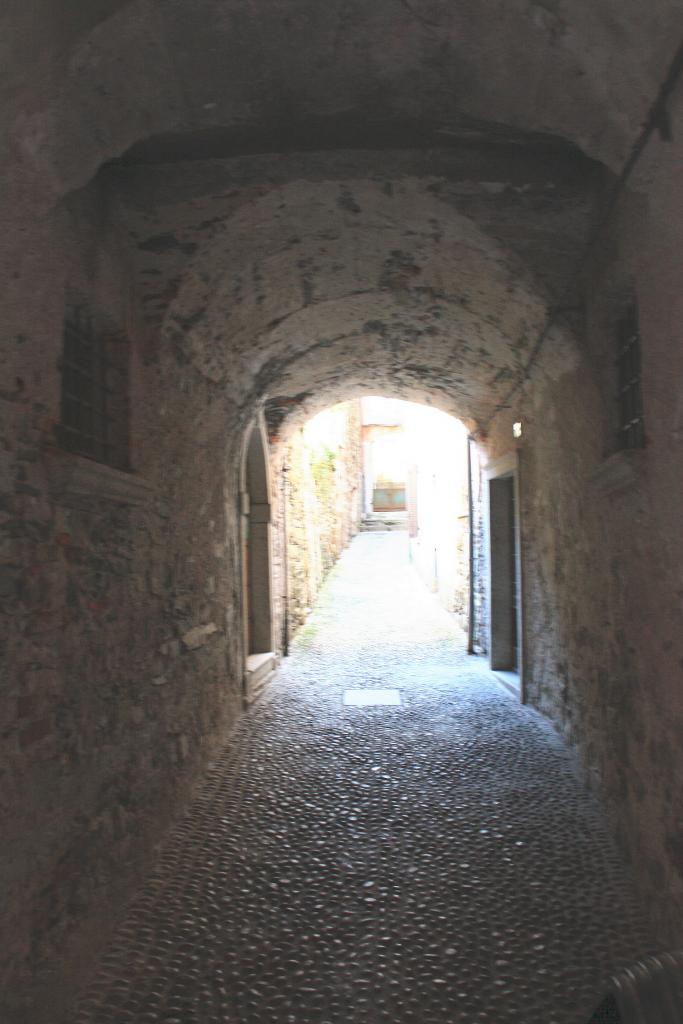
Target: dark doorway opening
504, 573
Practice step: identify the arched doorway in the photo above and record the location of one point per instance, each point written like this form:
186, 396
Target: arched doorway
255, 506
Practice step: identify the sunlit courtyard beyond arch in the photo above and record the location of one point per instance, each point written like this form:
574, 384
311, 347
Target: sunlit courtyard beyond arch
377, 463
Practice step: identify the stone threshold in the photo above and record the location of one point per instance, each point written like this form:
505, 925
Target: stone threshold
259, 669
510, 681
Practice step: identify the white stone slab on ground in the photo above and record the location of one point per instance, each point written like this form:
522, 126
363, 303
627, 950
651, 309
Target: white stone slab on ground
369, 697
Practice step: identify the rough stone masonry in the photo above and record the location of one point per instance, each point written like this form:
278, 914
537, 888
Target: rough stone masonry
303, 205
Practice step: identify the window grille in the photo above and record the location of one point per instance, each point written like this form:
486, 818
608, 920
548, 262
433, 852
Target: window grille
94, 391
631, 431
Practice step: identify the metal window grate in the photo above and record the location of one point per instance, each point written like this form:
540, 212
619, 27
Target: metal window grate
631, 431
94, 391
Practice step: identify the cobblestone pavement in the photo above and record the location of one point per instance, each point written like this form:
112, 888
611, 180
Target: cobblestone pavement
429, 862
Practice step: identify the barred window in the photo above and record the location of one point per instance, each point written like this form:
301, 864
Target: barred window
94, 409
631, 431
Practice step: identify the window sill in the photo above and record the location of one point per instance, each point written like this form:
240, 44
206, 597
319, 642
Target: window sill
72, 476
618, 472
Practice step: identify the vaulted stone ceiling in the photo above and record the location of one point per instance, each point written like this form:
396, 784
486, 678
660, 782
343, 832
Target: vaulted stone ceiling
84, 82
318, 290
424, 190
298, 281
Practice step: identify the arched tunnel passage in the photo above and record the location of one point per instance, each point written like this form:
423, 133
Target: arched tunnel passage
249, 278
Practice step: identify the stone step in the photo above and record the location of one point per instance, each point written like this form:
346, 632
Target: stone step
389, 523
259, 669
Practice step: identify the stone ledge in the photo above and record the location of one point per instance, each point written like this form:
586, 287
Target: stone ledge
618, 472
72, 476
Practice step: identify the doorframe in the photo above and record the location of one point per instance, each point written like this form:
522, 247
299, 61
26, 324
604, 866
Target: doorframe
507, 467
258, 666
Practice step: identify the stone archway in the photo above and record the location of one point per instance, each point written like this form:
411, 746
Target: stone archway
260, 658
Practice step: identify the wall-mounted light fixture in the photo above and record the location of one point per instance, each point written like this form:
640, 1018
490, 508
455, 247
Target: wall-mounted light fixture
517, 429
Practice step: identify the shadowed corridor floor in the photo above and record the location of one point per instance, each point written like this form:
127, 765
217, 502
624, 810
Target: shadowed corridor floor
435, 860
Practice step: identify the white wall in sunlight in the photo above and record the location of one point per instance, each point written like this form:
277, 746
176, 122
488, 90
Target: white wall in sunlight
427, 450
438, 504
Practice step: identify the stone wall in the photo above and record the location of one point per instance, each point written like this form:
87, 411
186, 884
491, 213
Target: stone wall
437, 449
480, 625
632, 720
601, 537
119, 600
319, 495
